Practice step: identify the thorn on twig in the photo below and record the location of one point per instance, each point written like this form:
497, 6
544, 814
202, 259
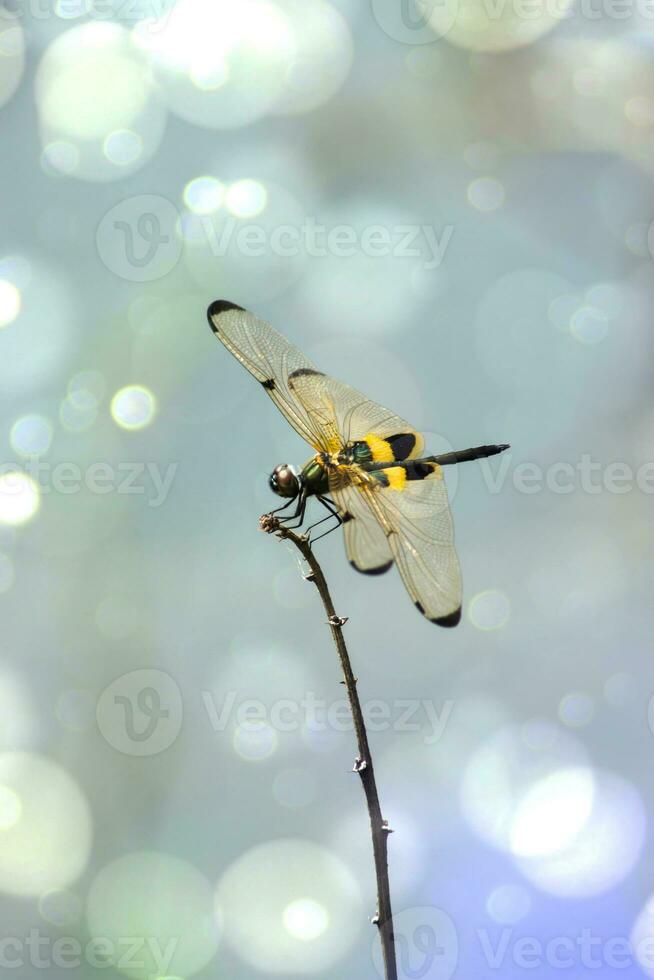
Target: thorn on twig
337, 620
310, 577
359, 765
385, 828
375, 919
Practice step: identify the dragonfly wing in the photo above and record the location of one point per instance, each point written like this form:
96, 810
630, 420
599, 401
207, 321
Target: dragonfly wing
275, 363
356, 418
366, 545
414, 514
326, 412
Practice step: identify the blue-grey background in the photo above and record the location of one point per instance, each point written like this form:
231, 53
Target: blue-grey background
165, 775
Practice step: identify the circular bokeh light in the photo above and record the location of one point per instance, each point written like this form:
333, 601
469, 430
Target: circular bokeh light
86, 389
576, 710
486, 194
99, 112
508, 904
40, 340
552, 812
75, 418
305, 919
502, 773
322, 59
605, 846
246, 198
589, 325
204, 195
11, 808
31, 435
255, 743
122, 147
10, 302
89, 84
20, 498
476, 26
489, 610
161, 900
219, 64
46, 843
133, 407
289, 907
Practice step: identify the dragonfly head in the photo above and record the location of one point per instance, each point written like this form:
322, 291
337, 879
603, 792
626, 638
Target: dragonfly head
285, 481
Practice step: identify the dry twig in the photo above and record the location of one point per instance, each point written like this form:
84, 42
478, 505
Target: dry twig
363, 763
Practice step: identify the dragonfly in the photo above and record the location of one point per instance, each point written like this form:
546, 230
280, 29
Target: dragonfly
367, 469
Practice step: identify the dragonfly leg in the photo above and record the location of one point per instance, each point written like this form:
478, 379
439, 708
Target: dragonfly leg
328, 505
277, 510
298, 516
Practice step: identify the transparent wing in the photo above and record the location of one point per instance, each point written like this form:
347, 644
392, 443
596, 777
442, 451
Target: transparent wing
366, 545
354, 417
326, 412
274, 362
414, 515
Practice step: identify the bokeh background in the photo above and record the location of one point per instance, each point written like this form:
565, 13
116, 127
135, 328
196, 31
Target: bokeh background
175, 793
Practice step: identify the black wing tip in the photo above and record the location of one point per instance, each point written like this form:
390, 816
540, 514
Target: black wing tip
305, 371
452, 619
372, 571
220, 306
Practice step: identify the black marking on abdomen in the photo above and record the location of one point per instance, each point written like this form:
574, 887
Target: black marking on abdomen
269, 384
402, 444
418, 470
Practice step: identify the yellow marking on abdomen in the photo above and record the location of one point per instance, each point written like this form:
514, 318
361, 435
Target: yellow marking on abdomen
382, 451
396, 477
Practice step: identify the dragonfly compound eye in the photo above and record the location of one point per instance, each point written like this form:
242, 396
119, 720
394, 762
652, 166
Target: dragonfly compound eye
284, 482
